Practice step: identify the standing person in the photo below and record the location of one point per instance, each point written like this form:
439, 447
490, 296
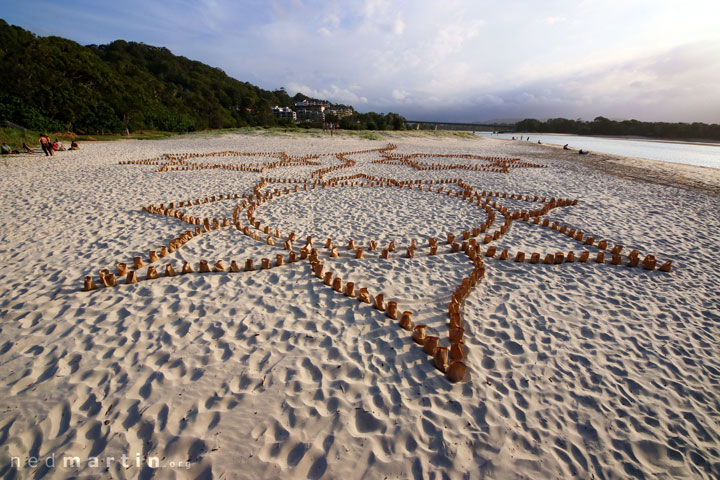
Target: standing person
45, 144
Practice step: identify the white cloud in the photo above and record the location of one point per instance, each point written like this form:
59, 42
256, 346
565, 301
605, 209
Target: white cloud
450, 39
374, 8
400, 95
398, 27
333, 93
458, 57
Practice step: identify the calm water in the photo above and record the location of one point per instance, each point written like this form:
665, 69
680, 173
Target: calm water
691, 154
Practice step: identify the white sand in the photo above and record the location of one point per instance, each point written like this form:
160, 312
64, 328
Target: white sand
575, 370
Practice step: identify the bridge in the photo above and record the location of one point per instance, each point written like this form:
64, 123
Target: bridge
419, 124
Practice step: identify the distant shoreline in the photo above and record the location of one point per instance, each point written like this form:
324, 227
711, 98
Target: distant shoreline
697, 178
689, 141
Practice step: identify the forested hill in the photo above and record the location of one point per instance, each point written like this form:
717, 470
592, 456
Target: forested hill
604, 126
55, 84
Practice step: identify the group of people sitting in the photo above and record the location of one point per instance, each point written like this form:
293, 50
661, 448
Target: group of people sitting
46, 145
581, 152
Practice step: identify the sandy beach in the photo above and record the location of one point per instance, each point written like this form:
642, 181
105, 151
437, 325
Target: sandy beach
574, 369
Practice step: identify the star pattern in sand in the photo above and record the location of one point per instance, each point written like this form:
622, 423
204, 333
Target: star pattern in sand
475, 242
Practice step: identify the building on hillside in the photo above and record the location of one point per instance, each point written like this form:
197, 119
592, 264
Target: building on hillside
284, 112
311, 110
339, 112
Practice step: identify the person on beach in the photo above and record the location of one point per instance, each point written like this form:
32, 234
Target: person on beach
27, 148
58, 146
74, 145
45, 144
5, 149
565, 147
582, 153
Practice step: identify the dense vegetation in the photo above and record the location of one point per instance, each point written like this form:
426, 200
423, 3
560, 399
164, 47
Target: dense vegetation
372, 121
604, 126
55, 84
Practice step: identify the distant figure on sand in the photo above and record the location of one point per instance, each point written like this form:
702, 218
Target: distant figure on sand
74, 145
27, 148
565, 147
582, 153
45, 144
5, 149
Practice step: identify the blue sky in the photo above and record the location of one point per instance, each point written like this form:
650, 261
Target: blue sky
446, 60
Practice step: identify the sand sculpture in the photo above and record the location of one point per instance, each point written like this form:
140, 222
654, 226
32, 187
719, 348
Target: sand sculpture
380, 302
406, 320
364, 295
89, 284
169, 270
152, 273
449, 353
419, 334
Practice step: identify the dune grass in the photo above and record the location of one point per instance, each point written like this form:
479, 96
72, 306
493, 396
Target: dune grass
16, 137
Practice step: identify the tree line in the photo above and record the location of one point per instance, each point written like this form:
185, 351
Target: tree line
604, 126
55, 84
371, 121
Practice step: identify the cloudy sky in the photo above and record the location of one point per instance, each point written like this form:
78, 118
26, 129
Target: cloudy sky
462, 60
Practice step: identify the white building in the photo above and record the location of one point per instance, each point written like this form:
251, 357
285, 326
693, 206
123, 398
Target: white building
284, 112
311, 110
